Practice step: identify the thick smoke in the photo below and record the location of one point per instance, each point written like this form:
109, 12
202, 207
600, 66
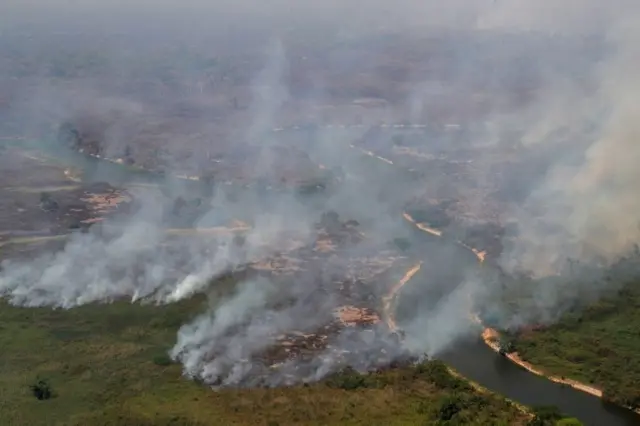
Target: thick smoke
579, 219
583, 209
135, 257
578, 124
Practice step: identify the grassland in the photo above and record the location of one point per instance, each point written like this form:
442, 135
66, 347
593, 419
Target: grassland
107, 365
598, 345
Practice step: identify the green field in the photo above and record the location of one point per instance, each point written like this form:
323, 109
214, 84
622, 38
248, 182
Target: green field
107, 365
597, 345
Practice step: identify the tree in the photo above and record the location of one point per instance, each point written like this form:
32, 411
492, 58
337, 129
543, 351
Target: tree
128, 156
449, 406
546, 415
45, 197
239, 240
506, 346
69, 135
402, 243
208, 179
178, 205
47, 203
41, 390
330, 219
162, 360
350, 379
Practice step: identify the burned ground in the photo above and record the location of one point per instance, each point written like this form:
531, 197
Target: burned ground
328, 275
345, 326
39, 199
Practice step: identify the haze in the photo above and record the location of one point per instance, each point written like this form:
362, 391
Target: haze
580, 124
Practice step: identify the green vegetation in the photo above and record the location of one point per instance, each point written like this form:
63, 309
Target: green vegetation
506, 345
41, 390
551, 416
107, 365
569, 421
597, 345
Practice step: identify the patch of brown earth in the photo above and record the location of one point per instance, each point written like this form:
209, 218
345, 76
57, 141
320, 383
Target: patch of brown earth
103, 203
351, 316
367, 268
324, 244
279, 265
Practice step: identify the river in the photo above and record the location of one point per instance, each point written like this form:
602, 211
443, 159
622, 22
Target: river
470, 357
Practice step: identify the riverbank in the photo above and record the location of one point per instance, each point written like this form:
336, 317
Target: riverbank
597, 346
526, 411
491, 338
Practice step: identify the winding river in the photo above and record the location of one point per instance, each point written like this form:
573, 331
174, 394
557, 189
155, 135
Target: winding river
471, 358
477, 361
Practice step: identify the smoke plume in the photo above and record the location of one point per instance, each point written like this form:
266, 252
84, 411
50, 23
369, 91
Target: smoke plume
548, 88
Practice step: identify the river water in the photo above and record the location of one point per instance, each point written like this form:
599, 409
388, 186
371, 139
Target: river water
470, 356
476, 361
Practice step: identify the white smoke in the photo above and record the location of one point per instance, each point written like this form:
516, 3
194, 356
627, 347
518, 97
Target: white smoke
585, 207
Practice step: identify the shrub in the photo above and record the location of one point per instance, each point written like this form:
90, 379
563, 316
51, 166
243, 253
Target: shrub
349, 379
402, 243
545, 416
41, 390
507, 346
162, 360
448, 407
437, 372
627, 396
